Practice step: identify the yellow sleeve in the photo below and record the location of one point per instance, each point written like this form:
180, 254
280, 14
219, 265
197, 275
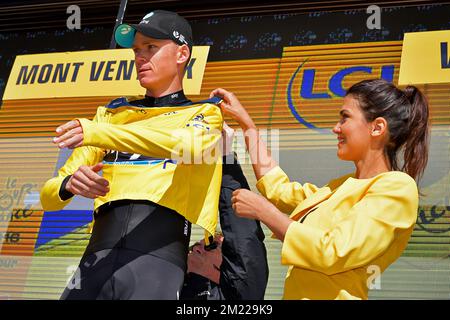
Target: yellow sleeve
285, 195
50, 199
188, 144
388, 210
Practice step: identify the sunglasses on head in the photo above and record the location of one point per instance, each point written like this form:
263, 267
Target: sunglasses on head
213, 245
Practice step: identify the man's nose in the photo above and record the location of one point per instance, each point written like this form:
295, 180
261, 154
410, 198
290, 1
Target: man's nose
198, 249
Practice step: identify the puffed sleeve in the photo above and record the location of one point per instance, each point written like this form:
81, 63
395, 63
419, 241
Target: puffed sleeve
284, 194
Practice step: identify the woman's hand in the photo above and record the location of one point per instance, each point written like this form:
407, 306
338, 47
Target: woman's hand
232, 107
260, 156
247, 204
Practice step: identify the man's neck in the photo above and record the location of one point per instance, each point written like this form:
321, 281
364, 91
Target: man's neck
174, 86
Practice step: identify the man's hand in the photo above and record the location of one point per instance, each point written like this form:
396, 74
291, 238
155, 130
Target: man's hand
69, 135
87, 183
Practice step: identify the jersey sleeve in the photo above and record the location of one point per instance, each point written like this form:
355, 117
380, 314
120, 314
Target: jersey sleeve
50, 195
195, 140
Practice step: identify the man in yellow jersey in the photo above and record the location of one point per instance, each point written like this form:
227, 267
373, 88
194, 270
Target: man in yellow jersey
161, 172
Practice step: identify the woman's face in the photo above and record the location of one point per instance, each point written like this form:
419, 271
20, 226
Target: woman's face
353, 131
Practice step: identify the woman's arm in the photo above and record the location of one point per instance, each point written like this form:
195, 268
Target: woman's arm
250, 205
259, 154
273, 183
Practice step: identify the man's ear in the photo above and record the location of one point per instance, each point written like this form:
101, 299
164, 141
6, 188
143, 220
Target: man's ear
379, 127
183, 54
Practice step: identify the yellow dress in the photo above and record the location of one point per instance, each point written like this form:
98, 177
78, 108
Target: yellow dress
357, 227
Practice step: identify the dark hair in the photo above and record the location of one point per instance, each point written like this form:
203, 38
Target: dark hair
406, 113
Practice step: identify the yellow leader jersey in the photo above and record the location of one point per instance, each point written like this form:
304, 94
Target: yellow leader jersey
175, 158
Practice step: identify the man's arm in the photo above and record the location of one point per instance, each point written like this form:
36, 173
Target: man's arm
244, 270
197, 140
54, 194
83, 163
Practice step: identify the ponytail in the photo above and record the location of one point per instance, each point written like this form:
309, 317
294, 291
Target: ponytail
416, 145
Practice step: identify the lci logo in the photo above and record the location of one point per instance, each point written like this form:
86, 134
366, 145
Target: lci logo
434, 219
335, 86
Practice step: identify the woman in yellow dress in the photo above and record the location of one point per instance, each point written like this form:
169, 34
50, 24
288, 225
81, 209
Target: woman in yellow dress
336, 236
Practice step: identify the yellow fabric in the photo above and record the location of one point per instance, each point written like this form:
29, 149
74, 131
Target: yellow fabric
359, 225
191, 189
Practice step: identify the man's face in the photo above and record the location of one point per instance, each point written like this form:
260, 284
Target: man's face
206, 263
156, 61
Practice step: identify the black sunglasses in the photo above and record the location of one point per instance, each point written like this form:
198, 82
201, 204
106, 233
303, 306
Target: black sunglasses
213, 245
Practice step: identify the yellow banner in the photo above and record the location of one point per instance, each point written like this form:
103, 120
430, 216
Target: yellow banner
425, 58
89, 74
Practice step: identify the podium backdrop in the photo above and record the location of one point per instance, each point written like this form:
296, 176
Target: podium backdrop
295, 94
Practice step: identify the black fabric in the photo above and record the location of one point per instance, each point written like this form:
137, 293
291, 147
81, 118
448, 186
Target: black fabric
143, 226
244, 271
175, 99
63, 193
197, 287
137, 250
161, 24
122, 274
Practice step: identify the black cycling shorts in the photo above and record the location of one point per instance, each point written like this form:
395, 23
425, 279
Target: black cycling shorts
137, 250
